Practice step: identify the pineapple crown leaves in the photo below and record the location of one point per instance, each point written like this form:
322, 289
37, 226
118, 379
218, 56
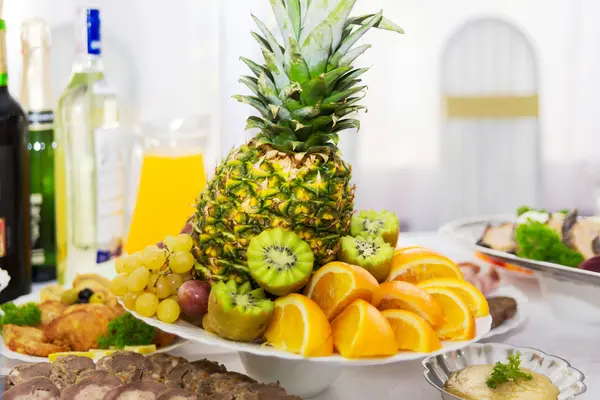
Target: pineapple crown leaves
307, 89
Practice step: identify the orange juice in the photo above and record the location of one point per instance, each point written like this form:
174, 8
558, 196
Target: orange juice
169, 186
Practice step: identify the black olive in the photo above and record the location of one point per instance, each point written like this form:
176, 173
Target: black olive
85, 294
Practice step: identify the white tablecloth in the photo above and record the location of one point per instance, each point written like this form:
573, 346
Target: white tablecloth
577, 344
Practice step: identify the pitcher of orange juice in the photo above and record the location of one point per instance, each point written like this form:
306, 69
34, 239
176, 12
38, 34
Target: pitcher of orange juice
171, 176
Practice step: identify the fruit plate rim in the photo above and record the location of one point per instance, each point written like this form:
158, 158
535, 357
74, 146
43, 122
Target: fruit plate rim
196, 334
455, 230
34, 297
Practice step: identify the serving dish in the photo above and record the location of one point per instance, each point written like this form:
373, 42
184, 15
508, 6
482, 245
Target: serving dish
572, 292
34, 297
119, 375
192, 332
466, 232
569, 380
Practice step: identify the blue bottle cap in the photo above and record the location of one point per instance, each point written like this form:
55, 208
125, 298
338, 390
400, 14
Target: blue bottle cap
93, 31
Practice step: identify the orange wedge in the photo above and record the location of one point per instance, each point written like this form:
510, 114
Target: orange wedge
459, 323
409, 297
361, 331
300, 326
418, 265
337, 284
475, 300
412, 332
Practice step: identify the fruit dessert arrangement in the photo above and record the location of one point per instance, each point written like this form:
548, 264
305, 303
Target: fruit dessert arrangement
86, 318
561, 237
374, 302
275, 253
126, 375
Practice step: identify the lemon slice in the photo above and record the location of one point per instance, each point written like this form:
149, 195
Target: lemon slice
142, 349
52, 357
99, 353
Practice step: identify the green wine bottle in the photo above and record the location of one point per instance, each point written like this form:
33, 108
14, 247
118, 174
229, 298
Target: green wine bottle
36, 97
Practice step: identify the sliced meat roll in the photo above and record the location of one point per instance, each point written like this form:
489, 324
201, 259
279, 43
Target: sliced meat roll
92, 387
24, 372
142, 390
33, 389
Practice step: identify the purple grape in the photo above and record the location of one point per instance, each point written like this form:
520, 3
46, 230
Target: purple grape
193, 298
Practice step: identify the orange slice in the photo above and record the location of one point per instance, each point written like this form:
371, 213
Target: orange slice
407, 248
409, 297
337, 284
412, 332
300, 326
418, 265
475, 300
361, 331
459, 323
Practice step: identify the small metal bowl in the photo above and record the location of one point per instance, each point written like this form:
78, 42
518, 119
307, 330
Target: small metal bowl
438, 368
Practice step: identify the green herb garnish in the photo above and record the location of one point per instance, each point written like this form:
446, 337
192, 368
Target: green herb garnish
523, 209
126, 330
537, 241
509, 372
26, 315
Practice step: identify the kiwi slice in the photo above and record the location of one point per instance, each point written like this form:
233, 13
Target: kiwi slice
374, 255
238, 312
279, 261
371, 224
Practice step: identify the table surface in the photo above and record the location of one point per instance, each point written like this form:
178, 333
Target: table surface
543, 330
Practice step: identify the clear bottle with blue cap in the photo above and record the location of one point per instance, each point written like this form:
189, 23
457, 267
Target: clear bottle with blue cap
92, 164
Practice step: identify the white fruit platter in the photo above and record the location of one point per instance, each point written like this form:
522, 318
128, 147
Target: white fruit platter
302, 376
192, 332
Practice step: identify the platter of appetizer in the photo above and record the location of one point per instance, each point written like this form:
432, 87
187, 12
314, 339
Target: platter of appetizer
507, 304
83, 319
560, 244
127, 375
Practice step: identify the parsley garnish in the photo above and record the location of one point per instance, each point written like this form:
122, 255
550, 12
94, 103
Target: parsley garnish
126, 330
26, 315
537, 241
510, 372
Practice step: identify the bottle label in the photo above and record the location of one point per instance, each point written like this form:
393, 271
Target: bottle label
38, 256
110, 201
2, 237
40, 120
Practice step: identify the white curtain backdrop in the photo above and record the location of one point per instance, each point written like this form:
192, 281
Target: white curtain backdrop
181, 57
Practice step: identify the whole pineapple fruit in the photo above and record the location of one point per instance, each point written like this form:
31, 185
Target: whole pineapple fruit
291, 174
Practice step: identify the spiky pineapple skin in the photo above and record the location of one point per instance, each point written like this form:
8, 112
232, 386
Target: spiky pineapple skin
258, 188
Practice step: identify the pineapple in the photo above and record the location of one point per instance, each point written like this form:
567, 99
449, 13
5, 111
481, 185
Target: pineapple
291, 174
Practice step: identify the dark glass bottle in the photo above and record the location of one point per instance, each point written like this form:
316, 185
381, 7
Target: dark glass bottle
36, 99
15, 242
